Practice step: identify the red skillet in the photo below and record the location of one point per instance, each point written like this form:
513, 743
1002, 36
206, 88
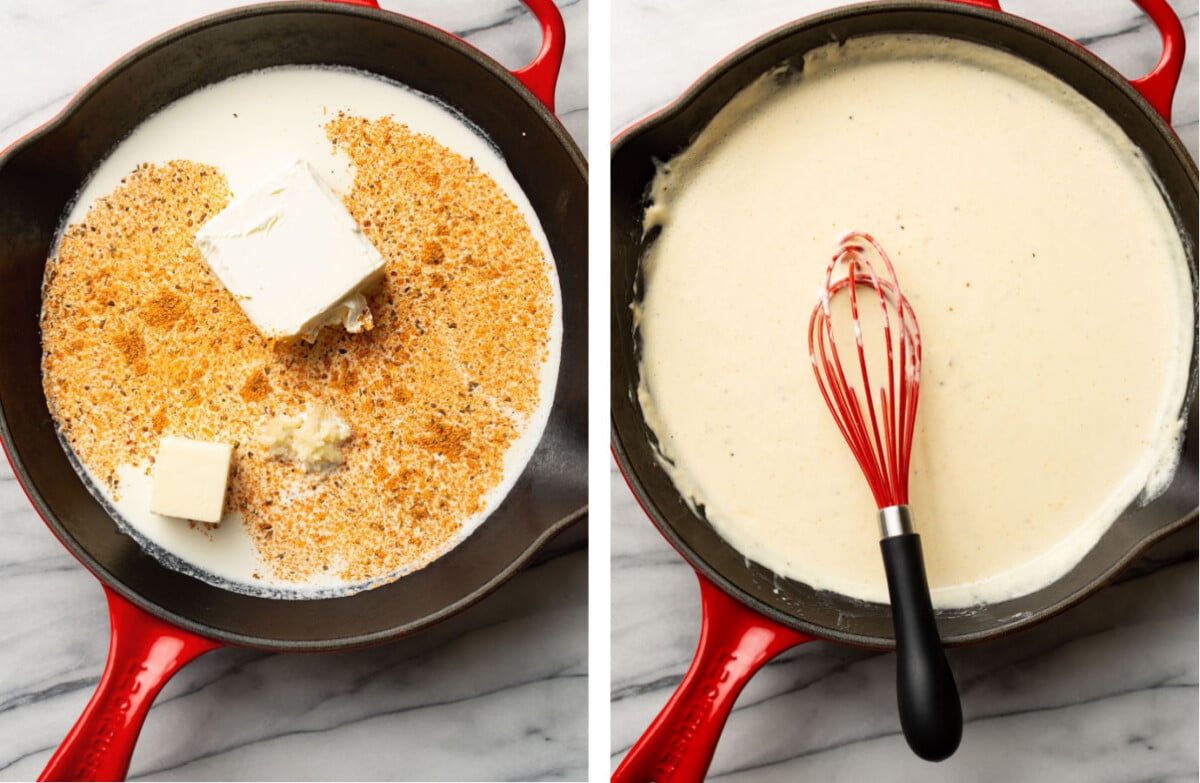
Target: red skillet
162, 619
750, 614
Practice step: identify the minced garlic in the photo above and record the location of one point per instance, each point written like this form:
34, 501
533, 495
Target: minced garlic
313, 438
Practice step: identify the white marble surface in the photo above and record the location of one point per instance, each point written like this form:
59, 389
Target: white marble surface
1106, 692
497, 693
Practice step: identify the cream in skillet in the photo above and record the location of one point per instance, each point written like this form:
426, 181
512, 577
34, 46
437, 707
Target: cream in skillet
1047, 272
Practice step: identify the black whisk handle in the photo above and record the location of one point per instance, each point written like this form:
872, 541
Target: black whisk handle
930, 711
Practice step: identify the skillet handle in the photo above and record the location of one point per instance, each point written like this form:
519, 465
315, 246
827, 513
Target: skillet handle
540, 77
1158, 86
734, 644
143, 653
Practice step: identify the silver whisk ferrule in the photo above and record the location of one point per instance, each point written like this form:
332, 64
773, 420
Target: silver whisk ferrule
895, 521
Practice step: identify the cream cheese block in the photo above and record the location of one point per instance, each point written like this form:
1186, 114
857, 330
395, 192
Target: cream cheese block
292, 256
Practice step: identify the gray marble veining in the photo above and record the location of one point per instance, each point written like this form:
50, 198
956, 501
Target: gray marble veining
1105, 692
496, 693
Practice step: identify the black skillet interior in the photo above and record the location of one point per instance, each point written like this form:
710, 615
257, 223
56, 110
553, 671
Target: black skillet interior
633, 158
39, 177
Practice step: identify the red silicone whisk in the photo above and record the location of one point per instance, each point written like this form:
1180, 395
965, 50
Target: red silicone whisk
880, 434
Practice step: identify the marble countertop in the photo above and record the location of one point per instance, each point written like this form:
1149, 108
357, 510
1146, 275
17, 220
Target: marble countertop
498, 692
1105, 692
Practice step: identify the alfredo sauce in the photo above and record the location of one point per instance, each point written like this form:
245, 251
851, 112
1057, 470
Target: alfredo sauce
1047, 273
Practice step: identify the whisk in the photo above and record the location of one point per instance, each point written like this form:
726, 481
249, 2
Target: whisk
880, 435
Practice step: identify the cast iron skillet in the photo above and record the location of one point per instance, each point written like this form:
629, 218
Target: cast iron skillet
749, 613
161, 619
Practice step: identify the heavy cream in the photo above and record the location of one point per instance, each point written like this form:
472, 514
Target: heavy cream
251, 127
1045, 268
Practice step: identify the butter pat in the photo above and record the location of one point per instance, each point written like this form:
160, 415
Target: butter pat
292, 256
190, 478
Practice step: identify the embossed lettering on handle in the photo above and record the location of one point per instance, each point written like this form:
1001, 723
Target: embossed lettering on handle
111, 722
708, 692
143, 653
735, 642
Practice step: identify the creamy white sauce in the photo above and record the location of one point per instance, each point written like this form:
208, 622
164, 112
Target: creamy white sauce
250, 127
1045, 268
